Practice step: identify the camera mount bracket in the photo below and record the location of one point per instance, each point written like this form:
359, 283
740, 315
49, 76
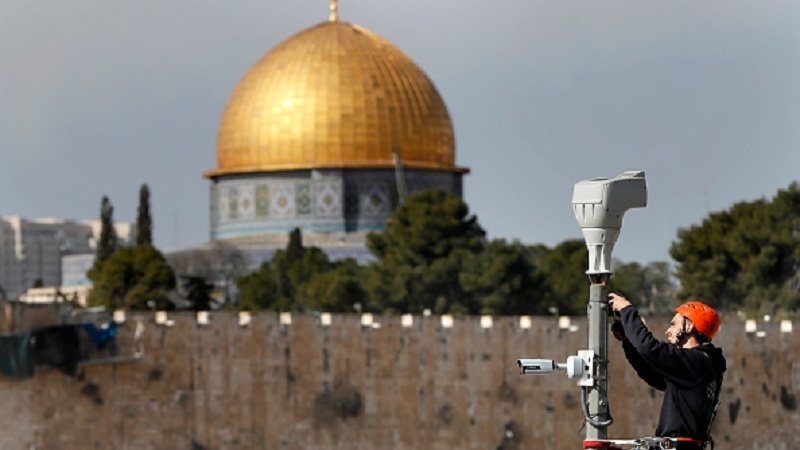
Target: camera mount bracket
580, 367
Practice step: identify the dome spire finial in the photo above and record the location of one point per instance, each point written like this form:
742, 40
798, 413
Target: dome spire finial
334, 17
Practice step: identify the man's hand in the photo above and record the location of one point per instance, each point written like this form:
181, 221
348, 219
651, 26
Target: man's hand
618, 331
617, 302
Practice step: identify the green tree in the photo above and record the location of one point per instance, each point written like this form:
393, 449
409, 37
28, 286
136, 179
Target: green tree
650, 286
144, 223
219, 263
198, 292
294, 267
258, 290
336, 290
109, 242
421, 255
564, 267
746, 257
503, 280
275, 284
132, 277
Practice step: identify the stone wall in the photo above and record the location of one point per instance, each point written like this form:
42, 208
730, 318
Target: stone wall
346, 386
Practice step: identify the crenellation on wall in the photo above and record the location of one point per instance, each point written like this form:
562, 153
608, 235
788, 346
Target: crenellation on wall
307, 385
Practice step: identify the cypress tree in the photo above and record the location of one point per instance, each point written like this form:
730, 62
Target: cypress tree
108, 235
144, 223
295, 249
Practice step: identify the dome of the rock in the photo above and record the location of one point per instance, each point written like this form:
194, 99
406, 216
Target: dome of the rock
334, 95
328, 132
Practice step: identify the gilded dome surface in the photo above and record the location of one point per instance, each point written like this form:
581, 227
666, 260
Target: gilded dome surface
334, 96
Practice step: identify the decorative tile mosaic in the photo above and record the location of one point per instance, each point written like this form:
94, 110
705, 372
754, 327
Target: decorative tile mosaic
351, 198
375, 199
233, 203
247, 202
262, 200
282, 202
328, 199
303, 199
222, 204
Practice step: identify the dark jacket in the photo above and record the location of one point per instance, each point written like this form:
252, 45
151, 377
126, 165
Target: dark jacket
690, 378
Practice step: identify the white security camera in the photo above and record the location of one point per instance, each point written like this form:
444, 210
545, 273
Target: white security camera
576, 366
536, 366
599, 205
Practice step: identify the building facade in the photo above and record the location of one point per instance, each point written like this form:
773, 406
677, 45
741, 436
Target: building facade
32, 252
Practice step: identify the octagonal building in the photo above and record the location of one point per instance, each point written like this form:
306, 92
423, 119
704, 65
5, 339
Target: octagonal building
328, 132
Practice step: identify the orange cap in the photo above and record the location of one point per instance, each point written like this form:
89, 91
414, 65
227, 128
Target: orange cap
704, 318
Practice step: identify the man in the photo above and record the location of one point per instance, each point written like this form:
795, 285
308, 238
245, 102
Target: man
688, 369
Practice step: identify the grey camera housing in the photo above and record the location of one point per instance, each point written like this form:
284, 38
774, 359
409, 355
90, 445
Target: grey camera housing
536, 366
579, 366
598, 205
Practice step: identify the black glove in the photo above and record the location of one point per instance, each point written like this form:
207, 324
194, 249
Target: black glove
616, 314
618, 331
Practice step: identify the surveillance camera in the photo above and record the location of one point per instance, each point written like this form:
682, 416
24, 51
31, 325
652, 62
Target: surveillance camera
579, 366
536, 366
599, 205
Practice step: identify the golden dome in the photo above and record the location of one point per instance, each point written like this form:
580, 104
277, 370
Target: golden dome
334, 96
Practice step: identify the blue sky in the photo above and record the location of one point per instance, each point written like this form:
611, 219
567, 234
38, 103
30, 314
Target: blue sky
704, 96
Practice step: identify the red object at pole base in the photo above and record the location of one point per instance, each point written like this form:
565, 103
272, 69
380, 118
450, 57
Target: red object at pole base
600, 444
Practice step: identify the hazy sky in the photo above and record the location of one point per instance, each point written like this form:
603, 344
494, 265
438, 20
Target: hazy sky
98, 97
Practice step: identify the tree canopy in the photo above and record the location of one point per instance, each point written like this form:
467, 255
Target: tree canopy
649, 286
433, 256
130, 278
564, 267
135, 277
198, 292
422, 253
746, 257
504, 279
301, 278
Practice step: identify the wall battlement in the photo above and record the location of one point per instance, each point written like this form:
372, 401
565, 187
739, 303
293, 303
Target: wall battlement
308, 385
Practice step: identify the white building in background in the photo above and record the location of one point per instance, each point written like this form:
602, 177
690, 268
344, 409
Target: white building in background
74, 268
33, 251
76, 294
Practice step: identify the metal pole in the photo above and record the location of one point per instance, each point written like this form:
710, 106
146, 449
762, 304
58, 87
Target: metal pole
597, 312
